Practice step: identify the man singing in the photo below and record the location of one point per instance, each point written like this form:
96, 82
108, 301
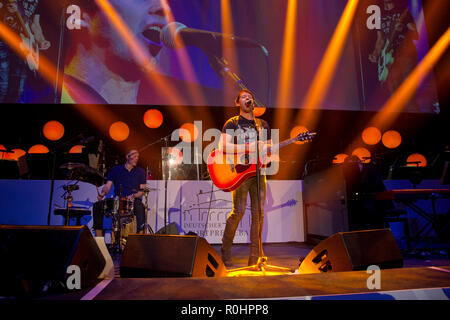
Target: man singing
239, 135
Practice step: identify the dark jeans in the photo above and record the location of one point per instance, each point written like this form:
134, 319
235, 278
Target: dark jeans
138, 210
13, 73
239, 205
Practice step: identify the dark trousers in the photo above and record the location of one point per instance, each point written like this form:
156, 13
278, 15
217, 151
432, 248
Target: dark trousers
13, 73
138, 210
239, 205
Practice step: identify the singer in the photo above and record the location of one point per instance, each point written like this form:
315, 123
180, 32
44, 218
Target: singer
128, 180
100, 66
239, 135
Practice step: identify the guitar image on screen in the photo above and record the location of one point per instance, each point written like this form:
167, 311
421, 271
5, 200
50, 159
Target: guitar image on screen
29, 44
386, 58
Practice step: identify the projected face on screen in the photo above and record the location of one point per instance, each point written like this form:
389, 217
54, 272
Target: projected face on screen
106, 60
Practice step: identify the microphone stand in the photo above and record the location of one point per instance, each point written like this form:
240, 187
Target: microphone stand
53, 152
165, 139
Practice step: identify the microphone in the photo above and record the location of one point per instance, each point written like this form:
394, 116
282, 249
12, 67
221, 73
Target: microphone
249, 103
176, 35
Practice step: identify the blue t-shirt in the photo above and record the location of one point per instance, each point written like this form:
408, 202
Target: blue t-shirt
126, 182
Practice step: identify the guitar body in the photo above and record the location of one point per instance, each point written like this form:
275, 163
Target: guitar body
385, 60
229, 171
30, 46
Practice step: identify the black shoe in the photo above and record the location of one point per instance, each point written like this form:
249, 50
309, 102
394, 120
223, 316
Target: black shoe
228, 263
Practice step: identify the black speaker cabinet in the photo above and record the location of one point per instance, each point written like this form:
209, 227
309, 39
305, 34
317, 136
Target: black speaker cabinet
348, 251
34, 258
148, 256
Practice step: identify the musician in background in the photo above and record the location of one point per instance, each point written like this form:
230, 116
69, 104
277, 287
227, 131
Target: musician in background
128, 180
14, 69
396, 20
239, 135
362, 180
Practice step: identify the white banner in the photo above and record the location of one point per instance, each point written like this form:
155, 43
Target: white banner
194, 206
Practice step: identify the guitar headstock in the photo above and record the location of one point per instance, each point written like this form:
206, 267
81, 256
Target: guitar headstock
305, 136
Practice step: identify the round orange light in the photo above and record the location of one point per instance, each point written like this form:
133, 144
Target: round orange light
153, 118
391, 139
53, 130
371, 135
2, 154
296, 131
416, 160
339, 158
363, 154
188, 132
119, 131
15, 155
76, 149
38, 148
259, 111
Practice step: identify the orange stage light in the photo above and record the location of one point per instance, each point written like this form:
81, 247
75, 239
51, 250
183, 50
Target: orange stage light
119, 131
38, 148
76, 149
2, 154
259, 111
296, 131
153, 118
363, 154
288, 56
416, 157
371, 135
188, 132
53, 130
15, 155
339, 158
391, 139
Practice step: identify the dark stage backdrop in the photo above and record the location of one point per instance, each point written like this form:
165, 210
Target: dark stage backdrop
97, 63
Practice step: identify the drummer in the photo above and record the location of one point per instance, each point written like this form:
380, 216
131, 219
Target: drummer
128, 179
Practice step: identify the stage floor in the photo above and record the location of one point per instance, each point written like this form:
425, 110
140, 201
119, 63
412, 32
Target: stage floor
424, 277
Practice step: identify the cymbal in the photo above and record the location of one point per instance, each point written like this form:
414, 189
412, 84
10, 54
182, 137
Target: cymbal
73, 165
82, 172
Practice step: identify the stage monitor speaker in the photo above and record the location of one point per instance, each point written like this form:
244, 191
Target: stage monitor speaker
350, 251
147, 256
35, 259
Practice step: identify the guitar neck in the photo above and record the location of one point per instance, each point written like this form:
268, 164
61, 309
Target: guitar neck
283, 143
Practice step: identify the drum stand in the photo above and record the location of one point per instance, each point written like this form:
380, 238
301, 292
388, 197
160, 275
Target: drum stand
119, 223
147, 228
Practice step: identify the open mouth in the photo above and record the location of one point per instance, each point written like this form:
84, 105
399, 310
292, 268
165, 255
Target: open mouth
151, 36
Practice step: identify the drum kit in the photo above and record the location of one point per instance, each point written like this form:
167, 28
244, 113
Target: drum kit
119, 209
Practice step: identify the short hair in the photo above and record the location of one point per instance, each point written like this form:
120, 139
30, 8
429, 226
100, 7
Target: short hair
236, 100
129, 149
